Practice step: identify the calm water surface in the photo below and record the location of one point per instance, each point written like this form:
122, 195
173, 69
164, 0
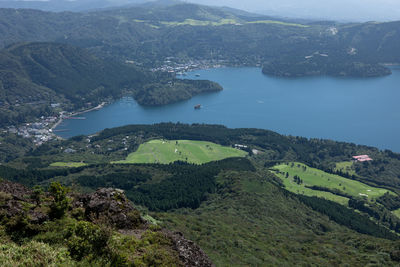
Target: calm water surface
362, 111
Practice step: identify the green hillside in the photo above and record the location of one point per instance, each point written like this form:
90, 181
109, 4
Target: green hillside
251, 222
309, 180
34, 75
167, 151
50, 230
237, 209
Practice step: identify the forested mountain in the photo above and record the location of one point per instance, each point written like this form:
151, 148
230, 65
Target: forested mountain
34, 75
68, 71
236, 209
323, 65
148, 34
65, 5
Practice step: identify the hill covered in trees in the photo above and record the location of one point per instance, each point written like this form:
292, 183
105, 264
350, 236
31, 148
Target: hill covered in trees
323, 66
236, 209
150, 33
34, 75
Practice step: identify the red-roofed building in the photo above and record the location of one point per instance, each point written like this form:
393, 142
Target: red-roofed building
362, 158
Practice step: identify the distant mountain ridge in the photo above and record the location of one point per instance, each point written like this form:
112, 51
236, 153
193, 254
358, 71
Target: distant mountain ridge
150, 33
65, 5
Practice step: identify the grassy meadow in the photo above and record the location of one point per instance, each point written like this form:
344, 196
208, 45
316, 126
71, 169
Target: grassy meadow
345, 166
194, 22
314, 177
277, 22
68, 164
396, 212
167, 151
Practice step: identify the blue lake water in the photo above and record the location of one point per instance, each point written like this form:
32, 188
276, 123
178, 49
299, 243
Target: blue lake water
362, 111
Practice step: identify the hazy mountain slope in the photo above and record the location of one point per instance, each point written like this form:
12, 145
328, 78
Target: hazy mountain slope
372, 41
62, 5
149, 34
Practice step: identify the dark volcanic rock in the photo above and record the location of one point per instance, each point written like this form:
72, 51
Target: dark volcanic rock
189, 253
13, 200
104, 206
18, 191
111, 206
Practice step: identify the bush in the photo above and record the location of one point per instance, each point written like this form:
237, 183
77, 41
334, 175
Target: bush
151, 250
34, 254
85, 240
19, 227
60, 202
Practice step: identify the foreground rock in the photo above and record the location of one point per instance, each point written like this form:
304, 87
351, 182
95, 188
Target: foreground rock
189, 253
23, 211
109, 206
112, 205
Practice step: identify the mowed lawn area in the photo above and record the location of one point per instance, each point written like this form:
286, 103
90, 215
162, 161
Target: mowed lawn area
314, 177
345, 166
68, 164
167, 151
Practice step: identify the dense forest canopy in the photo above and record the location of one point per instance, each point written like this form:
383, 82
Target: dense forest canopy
35, 75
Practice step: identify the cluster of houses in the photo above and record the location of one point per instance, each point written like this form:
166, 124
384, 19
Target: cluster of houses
40, 131
362, 158
180, 68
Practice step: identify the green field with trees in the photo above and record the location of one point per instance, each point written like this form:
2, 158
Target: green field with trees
237, 209
251, 222
302, 179
167, 151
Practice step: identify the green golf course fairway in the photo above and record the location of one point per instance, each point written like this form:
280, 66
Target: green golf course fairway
314, 177
167, 151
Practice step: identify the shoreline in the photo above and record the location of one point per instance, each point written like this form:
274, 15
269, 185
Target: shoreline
100, 106
62, 117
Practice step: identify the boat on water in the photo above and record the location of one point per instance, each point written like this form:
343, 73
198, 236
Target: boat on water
197, 75
198, 106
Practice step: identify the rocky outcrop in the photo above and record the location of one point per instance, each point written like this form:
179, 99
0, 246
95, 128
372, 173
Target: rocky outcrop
190, 254
17, 191
16, 201
104, 206
109, 206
